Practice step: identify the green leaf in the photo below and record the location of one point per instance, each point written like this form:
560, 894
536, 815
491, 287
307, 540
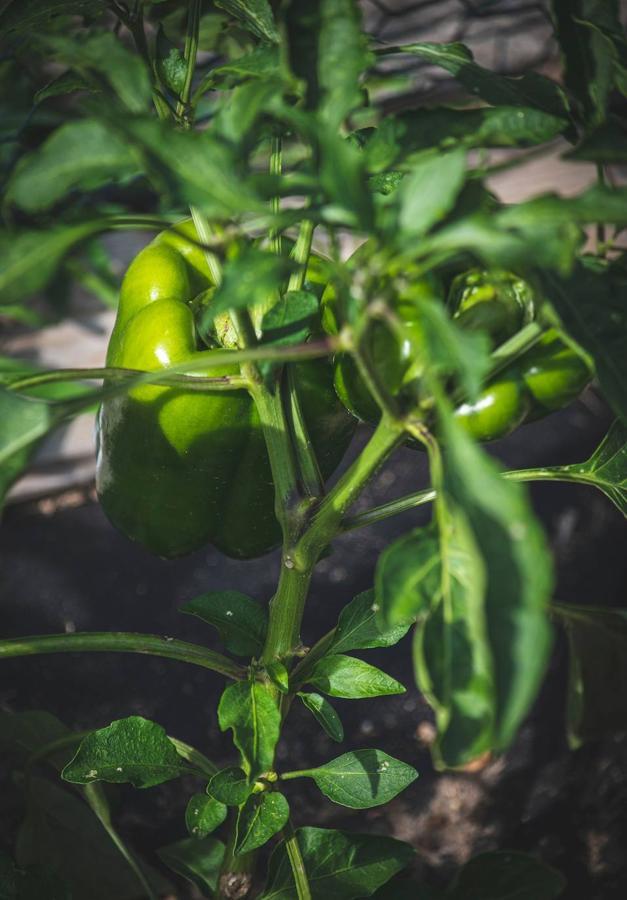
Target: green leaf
430, 190
60, 833
22, 734
324, 714
589, 68
452, 654
597, 678
109, 60
361, 779
345, 676
230, 786
29, 259
132, 750
592, 305
248, 708
260, 818
290, 320
530, 90
255, 15
241, 621
407, 577
262, 62
607, 467
339, 866
398, 137
79, 155
237, 118
28, 15
606, 144
343, 178
517, 566
24, 421
249, 279
203, 815
67, 83
170, 63
358, 627
279, 676
197, 860
342, 57
506, 876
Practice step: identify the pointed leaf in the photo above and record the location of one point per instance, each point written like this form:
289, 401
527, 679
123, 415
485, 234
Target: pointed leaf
345, 676
407, 578
358, 627
203, 815
260, 818
339, 866
362, 779
324, 713
132, 750
248, 708
241, 621
430, 190
255, 15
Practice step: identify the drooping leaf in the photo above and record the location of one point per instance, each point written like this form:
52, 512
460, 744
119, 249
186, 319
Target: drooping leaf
517, 570
358, 627
505, 875
260, 818
248, 708
324, 714
255, 15
362, 779
342, 57
530, 90
67, 83
430, 190
203, 815
407, 578
339, 866
592, 304
230, 786
132, 750
597, 678
345, 676
241, 621
78, 155
197, 860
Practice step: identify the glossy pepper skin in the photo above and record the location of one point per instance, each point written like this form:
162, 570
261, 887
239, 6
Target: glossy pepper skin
544, 379
178, 468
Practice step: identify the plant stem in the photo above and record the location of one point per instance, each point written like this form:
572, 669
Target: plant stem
286, 612
122, 642
190, 52
297, 863
236, 872
195, 757
326, 522
300, 253
304, 667
276, 165
193, 382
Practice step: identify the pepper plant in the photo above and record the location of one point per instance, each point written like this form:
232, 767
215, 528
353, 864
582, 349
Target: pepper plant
251, 138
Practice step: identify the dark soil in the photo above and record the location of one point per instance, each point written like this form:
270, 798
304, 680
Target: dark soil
69, 570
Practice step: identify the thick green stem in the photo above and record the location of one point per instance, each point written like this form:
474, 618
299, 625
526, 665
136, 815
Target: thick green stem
303, 891
122, 642
236, 872
193, 382
286, 612
190, 52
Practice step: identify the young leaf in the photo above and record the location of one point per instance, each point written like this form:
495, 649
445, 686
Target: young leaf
83, 154
342, 57
452, 655
358, 627
203, 815
606, 469
345, 676
230, 786
531, 90
361, 779
197, 860
592, 304
255, 15
241, 621
170, 63
132, 750
597, 678
506, 876
29, 259
248, 709
430, 189
324, 714
259, 819
517, 567
278, 675
339, 866
407, 577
